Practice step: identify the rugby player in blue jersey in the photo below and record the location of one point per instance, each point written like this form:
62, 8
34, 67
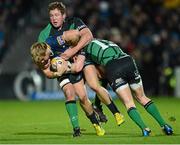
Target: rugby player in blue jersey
59, 23
71, 84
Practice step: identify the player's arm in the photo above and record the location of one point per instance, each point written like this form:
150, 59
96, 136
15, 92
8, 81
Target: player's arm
85, 33
61, 69
78, 64
71, 37
75, 40
85, 37
50, 74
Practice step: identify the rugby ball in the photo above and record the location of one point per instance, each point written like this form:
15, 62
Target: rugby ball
56, 61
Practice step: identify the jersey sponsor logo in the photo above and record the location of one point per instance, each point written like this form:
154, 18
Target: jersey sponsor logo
81, 27
119, 81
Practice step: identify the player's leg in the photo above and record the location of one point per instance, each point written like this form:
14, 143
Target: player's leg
87, 106
137, 86
150, 107
118, 79
125, 95
71, 106
93, 82
97, 103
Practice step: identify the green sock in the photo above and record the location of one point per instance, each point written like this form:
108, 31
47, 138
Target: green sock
135, 116
152, 109
73, 113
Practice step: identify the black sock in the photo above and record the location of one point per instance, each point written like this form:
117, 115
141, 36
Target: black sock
97, 103
112, 107
93, 118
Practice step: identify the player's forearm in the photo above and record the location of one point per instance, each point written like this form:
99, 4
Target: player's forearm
86, 37
77, 66
73, 68
50, 74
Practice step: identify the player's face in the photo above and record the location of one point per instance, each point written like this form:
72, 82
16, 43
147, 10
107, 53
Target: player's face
45, 62
56, 18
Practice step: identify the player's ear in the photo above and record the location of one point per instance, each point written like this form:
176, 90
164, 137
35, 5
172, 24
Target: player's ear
64, 16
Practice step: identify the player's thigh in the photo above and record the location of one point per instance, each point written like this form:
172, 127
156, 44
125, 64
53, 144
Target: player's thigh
91, 76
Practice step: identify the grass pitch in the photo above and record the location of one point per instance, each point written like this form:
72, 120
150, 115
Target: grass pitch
46, 122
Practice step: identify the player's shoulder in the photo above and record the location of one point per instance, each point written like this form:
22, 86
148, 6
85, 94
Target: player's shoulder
47, 27
76, 22
44, 33
72, 19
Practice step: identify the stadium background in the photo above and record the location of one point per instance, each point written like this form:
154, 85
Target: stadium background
148, 30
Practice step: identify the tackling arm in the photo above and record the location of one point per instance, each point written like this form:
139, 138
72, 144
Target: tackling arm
85, 37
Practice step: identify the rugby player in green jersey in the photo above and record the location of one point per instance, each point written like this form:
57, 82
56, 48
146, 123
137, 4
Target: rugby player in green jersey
60, 23
122, 74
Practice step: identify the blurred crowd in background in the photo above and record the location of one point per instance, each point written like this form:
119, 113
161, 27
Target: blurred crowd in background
12, 13
149, 30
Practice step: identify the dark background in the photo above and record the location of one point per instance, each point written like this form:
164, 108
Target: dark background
149, 30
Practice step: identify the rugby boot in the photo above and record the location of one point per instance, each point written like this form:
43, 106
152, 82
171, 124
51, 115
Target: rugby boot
119, 118
101, 116
167, 129
146, 132
99, 130
77, 132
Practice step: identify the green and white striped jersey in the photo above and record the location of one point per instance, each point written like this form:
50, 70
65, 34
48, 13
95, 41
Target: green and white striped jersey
103, 51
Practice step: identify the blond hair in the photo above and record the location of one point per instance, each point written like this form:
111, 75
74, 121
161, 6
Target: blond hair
38, 51
57, 5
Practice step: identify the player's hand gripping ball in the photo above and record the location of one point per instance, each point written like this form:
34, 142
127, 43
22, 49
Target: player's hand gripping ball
56, 62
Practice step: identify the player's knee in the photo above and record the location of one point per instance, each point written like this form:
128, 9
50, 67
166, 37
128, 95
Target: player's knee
142, 99
130, 105
70, 98
95, 88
